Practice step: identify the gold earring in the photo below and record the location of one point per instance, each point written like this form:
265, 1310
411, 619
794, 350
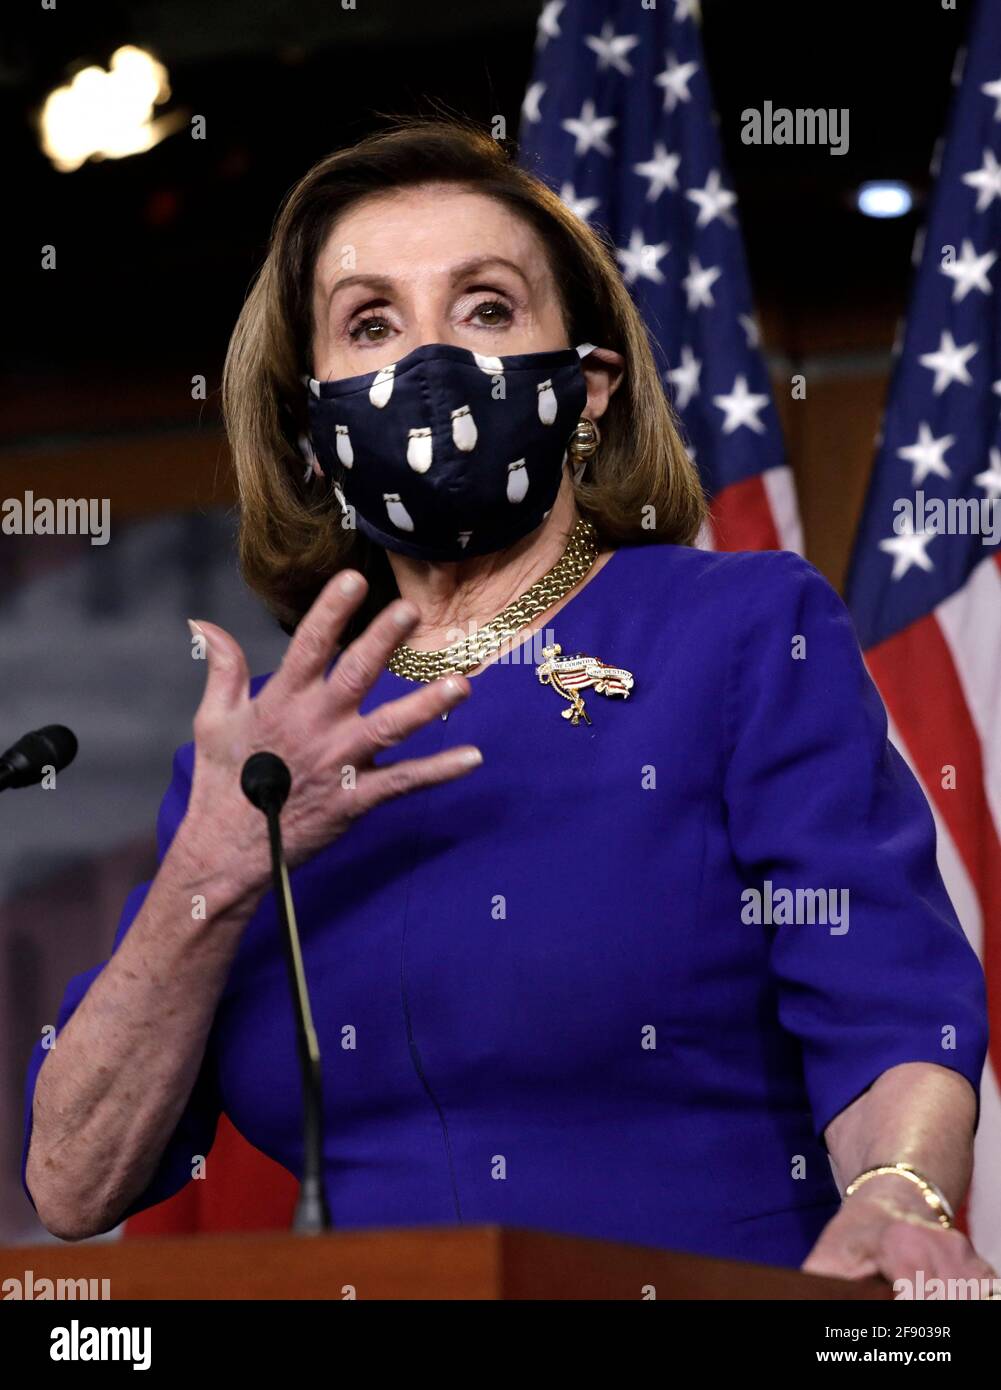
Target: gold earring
584, 442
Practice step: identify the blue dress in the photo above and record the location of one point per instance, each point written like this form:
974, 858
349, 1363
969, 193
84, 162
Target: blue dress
562, 992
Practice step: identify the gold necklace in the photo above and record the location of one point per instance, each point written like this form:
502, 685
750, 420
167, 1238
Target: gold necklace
470, 652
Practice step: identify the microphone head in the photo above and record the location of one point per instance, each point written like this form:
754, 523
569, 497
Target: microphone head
266, 781
25, 762
58, 743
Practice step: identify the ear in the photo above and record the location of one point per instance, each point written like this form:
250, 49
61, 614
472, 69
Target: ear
603, 371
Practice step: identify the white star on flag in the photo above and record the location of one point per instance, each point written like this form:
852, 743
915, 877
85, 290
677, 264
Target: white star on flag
590, 129
685, 378
993, 89
949, 363
927, 454
907, 549
991, 480
698, 283
580, 207
741, 407
547, 26
661, 170
969, 272
986, 180
530, 105
612, 48
640, 261
713, 201
675, 79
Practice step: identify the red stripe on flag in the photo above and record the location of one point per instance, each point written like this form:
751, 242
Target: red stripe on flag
934, 722
741, 518
243, 1190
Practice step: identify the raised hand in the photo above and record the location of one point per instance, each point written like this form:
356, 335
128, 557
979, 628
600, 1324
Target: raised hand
312, 721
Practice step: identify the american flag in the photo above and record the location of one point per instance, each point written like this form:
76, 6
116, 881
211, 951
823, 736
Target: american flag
927, 601
619, 120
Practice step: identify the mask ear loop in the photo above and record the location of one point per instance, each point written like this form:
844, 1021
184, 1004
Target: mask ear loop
313, 469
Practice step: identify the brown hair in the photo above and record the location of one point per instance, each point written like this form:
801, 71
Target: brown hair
641, 487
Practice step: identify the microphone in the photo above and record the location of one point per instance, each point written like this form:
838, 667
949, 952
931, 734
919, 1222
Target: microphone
24, 763
266, 782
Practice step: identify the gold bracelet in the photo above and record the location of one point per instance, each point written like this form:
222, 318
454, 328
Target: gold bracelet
933, 1195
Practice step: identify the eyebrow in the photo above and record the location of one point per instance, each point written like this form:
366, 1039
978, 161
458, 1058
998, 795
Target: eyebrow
384, 283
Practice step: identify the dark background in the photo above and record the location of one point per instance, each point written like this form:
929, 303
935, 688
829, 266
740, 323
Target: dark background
156, 250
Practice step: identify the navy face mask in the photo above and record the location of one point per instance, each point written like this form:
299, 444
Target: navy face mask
446, 453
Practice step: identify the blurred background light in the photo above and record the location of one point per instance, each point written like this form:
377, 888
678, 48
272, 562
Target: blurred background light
107, 114
882, 198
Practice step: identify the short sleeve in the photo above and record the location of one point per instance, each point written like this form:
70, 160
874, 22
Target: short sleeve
196, 1128
818, 799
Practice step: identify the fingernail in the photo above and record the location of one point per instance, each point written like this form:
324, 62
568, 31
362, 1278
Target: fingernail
349, 584
452, 689
199, 636
471, 756
404, 615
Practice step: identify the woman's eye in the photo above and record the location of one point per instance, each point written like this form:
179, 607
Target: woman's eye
493, 312
369, 326
374, 328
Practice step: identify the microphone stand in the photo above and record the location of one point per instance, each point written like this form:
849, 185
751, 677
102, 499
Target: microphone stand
312, 1214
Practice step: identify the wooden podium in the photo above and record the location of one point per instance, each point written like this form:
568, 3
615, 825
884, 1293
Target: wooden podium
476, 1262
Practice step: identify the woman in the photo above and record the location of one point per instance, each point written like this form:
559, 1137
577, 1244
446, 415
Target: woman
538, 898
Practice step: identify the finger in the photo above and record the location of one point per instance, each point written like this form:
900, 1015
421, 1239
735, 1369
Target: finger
396, 720
411, 774
315, 639
227, 677
362, 662
830, 1259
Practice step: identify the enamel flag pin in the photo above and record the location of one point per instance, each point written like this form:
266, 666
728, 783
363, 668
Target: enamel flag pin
570, 674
